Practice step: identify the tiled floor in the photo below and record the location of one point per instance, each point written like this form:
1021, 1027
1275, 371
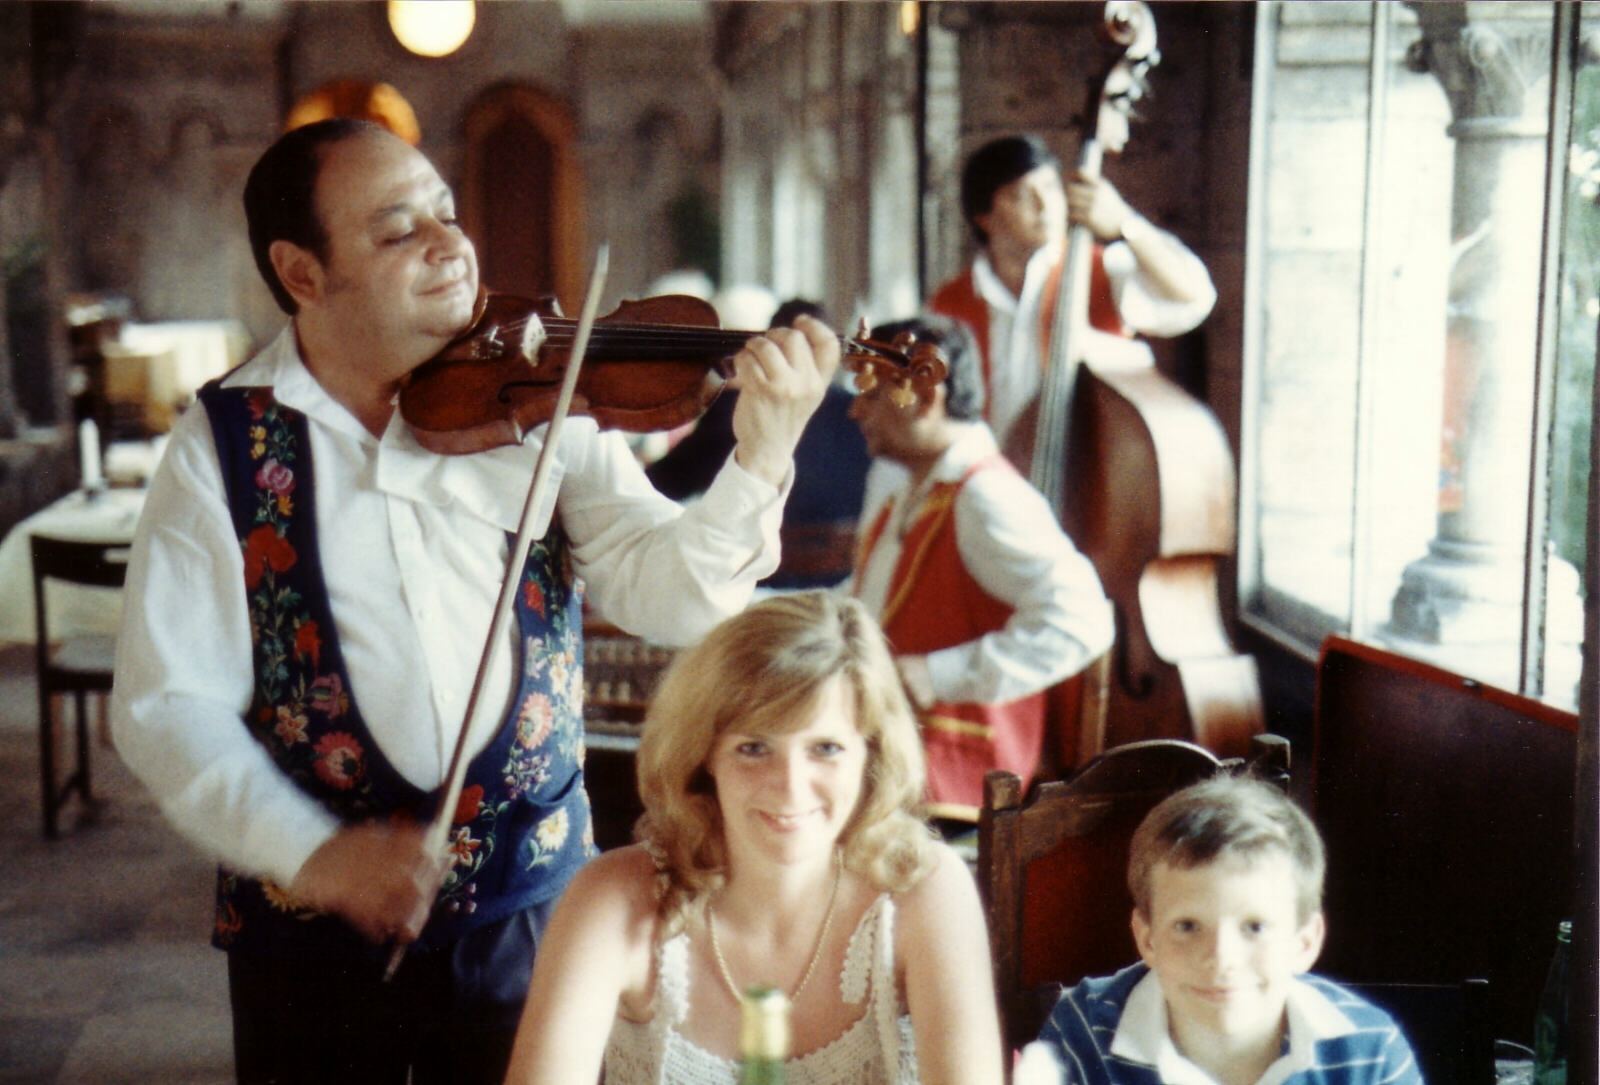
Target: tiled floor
105, 972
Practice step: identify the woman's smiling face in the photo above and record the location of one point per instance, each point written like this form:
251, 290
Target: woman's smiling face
789, 795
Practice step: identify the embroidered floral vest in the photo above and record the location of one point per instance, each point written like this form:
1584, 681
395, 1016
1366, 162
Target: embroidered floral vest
521, 828
932, 603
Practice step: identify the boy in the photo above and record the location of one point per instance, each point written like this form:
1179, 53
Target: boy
1226, 878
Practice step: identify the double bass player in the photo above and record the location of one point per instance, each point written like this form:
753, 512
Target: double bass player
1144, 280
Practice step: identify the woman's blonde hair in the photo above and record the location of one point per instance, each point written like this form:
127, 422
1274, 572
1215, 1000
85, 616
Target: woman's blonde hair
764, 669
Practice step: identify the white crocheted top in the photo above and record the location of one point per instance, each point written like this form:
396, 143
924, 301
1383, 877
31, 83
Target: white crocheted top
877, 1049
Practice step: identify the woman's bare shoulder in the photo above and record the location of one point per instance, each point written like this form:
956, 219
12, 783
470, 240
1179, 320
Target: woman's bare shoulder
616, 886
945, 890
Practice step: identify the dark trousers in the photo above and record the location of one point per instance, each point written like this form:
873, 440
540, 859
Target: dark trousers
449, 1015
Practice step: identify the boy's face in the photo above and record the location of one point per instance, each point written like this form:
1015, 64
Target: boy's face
1224, 941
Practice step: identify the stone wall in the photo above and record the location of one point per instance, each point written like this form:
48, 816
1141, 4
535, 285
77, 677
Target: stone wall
127, 130
158, 142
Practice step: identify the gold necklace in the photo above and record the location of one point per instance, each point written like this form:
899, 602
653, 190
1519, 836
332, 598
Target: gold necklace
816, 953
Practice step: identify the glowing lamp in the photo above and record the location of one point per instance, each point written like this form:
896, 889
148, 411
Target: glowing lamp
432, 28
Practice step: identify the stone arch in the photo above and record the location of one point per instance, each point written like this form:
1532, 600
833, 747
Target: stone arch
522, 192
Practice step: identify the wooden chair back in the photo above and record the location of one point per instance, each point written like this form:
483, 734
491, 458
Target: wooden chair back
1053, 869
78, 665
70, 561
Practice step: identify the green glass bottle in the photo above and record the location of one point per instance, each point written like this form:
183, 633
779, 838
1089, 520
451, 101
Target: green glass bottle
763, 1036
1550, 1026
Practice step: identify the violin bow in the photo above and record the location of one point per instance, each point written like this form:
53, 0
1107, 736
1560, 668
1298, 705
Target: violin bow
439, 828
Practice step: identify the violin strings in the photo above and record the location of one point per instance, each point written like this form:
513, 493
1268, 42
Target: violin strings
562, 332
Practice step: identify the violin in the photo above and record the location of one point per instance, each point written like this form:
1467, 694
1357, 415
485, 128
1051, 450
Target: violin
651, 364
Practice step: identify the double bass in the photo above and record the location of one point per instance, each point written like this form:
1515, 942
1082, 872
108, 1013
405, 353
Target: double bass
1141, 476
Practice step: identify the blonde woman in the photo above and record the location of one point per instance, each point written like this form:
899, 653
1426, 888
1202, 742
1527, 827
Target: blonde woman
780, 770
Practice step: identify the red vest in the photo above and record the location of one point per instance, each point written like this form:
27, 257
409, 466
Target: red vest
959, 299
934, 603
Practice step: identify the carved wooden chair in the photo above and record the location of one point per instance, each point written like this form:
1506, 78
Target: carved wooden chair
1053, 870
76, 665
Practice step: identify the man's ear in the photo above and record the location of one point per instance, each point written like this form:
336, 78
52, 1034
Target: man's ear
1308, 941
982, 220
298, 270
1141, 935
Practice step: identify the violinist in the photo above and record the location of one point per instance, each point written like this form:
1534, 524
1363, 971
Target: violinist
307, 601
1143, 279
984, 599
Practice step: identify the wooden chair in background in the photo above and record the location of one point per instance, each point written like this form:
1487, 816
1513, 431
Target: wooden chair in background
1053, 870
76, 665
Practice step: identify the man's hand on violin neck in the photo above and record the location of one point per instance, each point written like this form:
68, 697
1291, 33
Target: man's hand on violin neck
377, 876
781, 377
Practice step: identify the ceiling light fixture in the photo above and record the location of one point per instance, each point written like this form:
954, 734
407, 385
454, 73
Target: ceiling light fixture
432, 28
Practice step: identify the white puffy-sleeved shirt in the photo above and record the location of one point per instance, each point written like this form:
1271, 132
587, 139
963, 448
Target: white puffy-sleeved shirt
1015, 550
414, 547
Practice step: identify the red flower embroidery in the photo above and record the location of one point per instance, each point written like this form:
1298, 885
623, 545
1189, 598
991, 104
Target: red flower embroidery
338, 761
308, 643
258, 400
467, 805
265, 549
533, 596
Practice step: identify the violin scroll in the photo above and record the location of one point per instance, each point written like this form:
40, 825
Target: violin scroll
912, 368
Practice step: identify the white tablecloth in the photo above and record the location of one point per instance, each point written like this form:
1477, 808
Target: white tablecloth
109, 516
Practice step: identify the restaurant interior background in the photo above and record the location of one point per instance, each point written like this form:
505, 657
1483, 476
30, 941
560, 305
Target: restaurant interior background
1397, 203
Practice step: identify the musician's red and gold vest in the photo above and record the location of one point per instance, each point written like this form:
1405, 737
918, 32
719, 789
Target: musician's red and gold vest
960, 300
521, 828
933, 603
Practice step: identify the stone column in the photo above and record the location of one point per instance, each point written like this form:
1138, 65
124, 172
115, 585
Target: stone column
1461, 603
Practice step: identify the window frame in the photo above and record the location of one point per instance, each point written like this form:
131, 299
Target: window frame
1297, 625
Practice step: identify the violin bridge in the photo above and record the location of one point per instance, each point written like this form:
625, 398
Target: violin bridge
533, 336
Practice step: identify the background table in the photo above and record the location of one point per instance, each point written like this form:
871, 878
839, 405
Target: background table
109, 516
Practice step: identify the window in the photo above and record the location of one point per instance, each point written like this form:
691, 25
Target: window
1417, 406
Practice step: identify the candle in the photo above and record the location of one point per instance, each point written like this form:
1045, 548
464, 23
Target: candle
89, 466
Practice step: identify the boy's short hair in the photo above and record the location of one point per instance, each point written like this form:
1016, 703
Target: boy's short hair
1228, 815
